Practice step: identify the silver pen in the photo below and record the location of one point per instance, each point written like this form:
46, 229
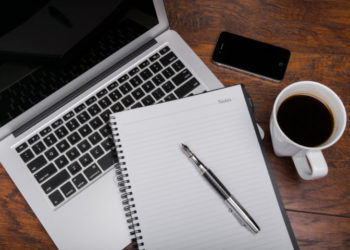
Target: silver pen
240, 213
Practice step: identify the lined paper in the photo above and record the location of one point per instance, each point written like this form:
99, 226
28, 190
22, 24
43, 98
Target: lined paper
176, 207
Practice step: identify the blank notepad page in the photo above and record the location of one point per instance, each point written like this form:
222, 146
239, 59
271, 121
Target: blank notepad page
175, 206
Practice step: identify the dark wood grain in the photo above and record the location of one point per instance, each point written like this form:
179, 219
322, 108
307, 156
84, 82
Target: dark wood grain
315, 231
318, 35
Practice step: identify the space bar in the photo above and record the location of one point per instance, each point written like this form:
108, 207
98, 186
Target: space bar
108, 160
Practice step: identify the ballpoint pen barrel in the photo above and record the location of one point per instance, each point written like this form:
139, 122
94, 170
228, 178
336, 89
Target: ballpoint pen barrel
216, 183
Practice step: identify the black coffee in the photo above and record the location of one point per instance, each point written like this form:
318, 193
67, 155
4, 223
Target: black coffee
305, 120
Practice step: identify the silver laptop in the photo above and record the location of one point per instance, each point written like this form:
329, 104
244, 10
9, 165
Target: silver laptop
55, 139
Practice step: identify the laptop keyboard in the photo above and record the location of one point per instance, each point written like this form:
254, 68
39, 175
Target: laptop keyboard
77, 148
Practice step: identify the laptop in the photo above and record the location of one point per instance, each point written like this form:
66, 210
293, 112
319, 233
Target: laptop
55, 104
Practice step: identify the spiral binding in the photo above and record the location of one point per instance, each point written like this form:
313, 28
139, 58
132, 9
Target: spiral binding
125, 189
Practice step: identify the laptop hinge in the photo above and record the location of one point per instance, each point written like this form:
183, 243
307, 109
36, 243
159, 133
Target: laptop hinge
82, 89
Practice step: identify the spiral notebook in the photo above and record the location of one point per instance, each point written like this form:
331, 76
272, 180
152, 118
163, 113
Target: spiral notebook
168, 204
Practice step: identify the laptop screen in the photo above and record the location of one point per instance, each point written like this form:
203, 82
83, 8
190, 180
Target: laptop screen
46, 44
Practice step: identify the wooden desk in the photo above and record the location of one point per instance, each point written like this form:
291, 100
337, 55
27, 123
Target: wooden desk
318, 35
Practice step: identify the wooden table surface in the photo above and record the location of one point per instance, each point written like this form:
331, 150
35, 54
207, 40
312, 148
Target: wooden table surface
318, 35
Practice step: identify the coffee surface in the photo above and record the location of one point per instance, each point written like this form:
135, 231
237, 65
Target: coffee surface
305, 120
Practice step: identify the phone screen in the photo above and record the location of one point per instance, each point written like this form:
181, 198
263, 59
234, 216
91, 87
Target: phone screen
251, 56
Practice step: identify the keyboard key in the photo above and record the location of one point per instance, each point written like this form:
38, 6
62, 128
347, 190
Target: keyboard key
148, 86
74, 168
105, 102
145, 74
164, 50
96, 152
112, 86
55, 181
85, 130
108, 160
50, 140
101, 93
56, 198
168, 86
51, 154
182, 76
106, 130
83, 117
95, 138
137, 105
125, 88
115, 95
37, 163
167, 59
74, 138
84, 146
21, 147
45, 173
154, 57
72, 124
79, 181
61, 132
158, 93
62, 146
57, 123
94, 110
138, 93
123, 78
68, 189
156, 67
108, 144
39, 147
79, 108
91, 100
105, 115
73, 154
117, 107
178, 65
33, 139
170, 97
148, 100
45, 131
144, 64
85, 160
92, 172
133, 71
96, 123
61, 161
168, 72
67, 116
127, 101
135, 81
158, 79
187, 88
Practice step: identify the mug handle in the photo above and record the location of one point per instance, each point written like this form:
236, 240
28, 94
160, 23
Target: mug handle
310, 165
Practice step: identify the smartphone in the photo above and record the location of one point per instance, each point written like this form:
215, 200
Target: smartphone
251, 56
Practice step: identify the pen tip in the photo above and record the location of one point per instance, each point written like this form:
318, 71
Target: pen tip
186, 150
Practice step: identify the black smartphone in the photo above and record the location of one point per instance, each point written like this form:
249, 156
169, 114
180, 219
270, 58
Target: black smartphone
251, 56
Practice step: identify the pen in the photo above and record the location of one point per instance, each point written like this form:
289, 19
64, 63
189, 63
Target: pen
241, 214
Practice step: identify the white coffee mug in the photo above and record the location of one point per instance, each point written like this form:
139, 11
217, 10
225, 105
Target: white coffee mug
309, 161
